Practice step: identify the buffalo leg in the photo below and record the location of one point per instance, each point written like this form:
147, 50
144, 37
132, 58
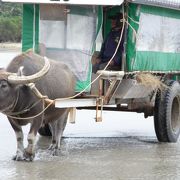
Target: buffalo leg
57, 128
19, 137
29, 152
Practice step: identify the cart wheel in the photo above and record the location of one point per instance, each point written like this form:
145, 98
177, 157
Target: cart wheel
45, 130
167, 113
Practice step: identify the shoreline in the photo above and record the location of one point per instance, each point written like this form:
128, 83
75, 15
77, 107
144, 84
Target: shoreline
8, 46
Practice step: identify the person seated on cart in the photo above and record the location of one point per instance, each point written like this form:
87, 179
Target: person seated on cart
109, 46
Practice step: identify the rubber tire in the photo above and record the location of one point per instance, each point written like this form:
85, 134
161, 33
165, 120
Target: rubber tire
167, 113
45, 130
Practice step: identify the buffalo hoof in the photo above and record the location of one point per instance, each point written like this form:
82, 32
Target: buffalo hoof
18, 158
19, 155
54, 150
51, 147
28, 156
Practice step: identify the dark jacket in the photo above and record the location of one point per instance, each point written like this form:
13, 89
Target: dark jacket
109, 46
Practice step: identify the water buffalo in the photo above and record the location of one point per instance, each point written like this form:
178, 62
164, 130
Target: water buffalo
18, 101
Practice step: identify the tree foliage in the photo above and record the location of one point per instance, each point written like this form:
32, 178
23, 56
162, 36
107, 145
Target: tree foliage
10, 22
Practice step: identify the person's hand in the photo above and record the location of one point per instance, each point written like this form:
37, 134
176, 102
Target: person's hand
98, 60
111, 63
95, 60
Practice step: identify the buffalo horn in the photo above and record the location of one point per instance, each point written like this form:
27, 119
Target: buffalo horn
15, 79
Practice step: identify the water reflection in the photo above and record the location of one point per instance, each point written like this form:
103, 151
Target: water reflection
126, 157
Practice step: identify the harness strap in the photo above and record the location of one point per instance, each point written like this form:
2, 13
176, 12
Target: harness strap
44, 99
25, 110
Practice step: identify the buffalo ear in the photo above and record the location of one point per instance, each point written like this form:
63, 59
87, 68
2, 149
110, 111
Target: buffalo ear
20, 71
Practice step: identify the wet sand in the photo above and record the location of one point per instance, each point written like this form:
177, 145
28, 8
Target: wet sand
91, 154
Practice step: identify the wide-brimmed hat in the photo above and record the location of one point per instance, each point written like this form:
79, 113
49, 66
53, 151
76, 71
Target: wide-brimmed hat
116, 16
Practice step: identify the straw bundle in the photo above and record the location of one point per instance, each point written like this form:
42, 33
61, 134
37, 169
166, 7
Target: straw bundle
149, 80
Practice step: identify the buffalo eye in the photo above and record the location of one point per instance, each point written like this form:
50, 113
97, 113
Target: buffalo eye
3, 84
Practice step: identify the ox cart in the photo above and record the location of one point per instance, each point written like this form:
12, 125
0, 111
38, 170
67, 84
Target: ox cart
148, 79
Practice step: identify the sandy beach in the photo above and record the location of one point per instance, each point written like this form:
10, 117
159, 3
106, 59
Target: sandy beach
9, 46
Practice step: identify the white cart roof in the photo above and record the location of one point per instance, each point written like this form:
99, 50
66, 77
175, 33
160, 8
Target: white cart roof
173, 4
80, 2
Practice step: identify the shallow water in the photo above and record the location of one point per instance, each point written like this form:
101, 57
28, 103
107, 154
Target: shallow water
123, 146
92, 153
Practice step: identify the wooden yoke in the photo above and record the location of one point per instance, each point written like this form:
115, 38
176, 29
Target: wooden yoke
39, 95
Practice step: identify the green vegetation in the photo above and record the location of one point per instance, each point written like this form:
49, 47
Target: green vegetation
10, 22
